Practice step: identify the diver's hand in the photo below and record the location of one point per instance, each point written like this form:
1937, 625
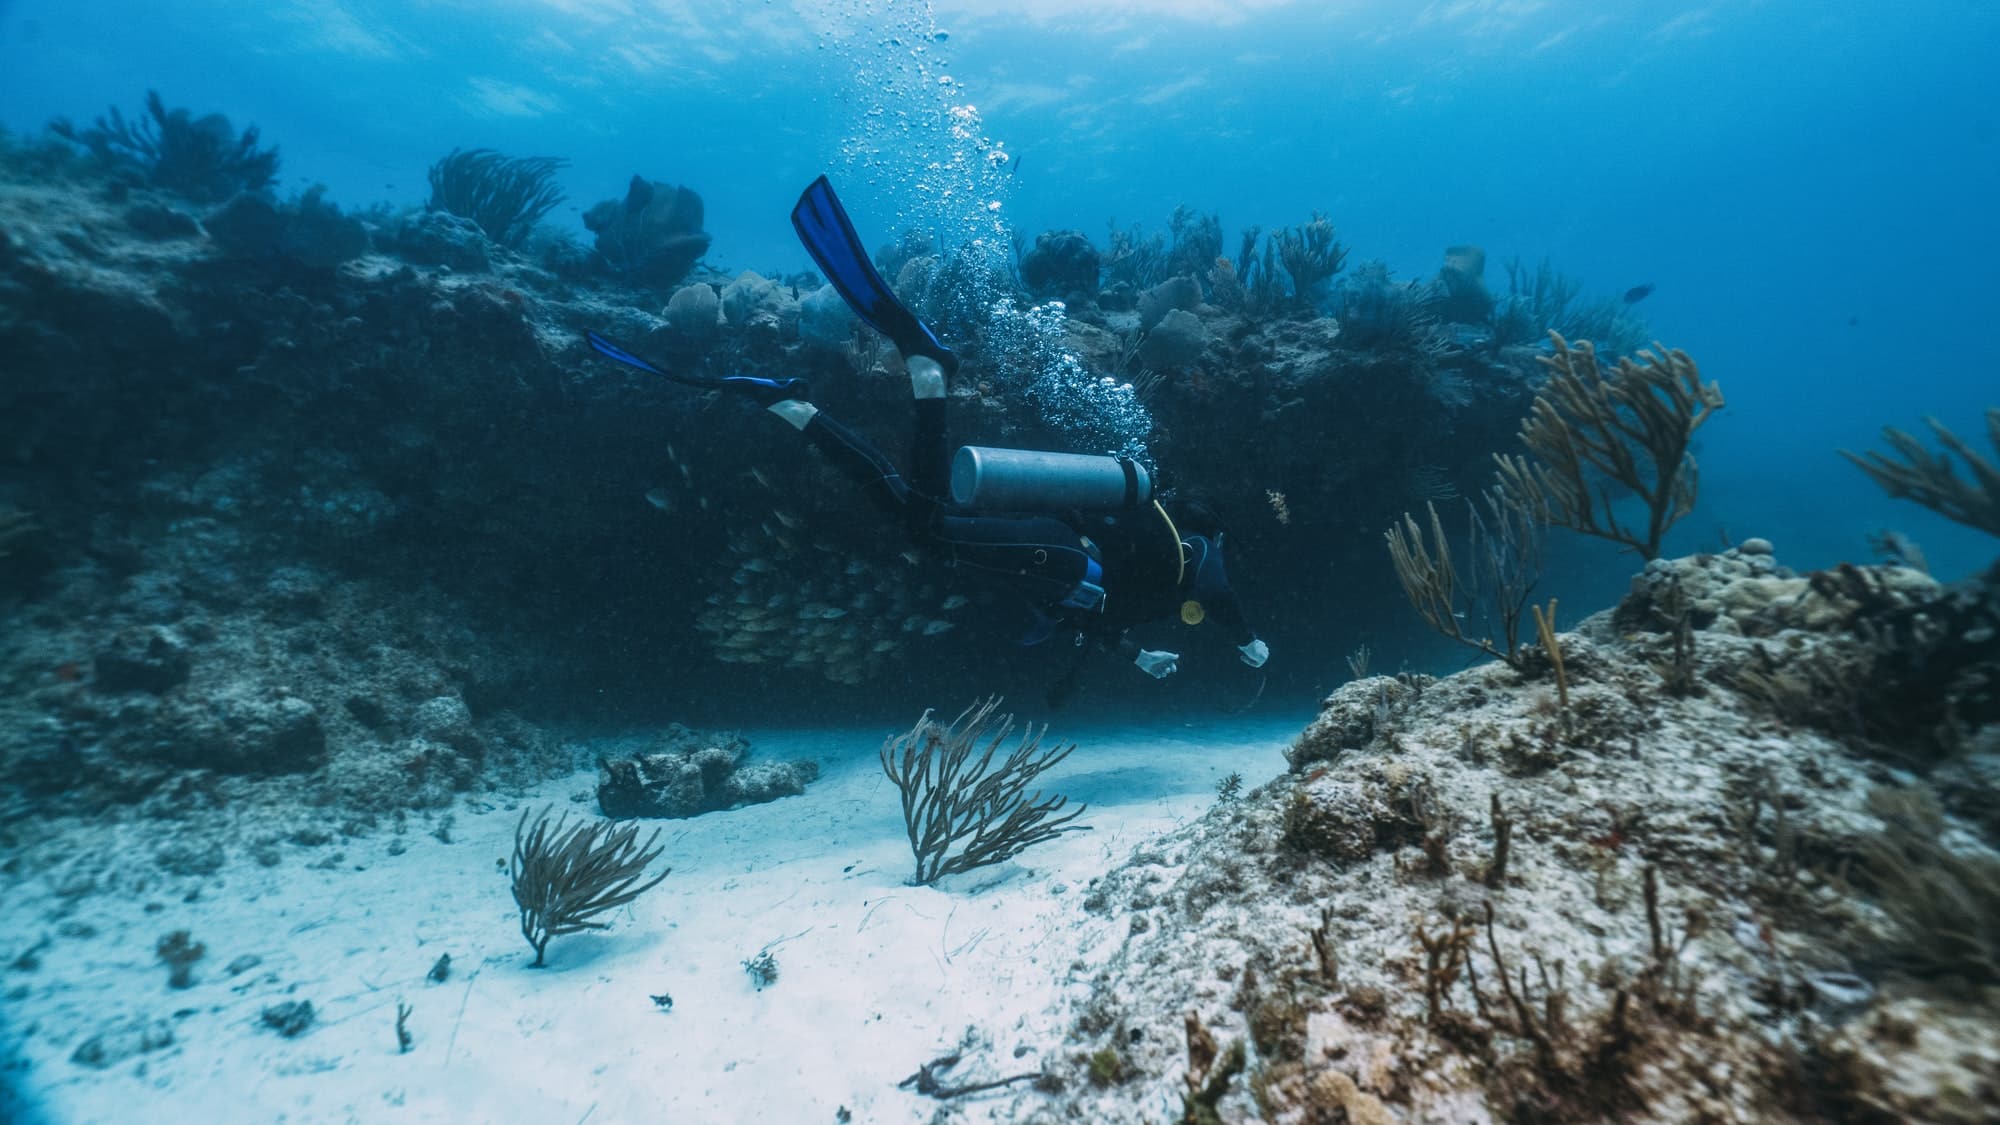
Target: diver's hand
1255, 653
1156, 664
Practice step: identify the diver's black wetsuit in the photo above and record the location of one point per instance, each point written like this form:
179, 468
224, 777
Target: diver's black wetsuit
1096, 574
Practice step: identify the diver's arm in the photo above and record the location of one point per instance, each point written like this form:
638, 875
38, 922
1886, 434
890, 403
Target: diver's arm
1224, 611
1154, 662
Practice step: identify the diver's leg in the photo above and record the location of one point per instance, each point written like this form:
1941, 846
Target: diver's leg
851, 453
930, 461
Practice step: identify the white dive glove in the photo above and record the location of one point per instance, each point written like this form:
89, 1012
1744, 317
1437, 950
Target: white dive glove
1255, 653
1156, 664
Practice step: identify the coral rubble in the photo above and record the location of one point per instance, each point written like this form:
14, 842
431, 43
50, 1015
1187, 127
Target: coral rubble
687, 773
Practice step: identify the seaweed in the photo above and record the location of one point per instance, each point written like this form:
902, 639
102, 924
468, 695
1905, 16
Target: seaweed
1945, 904
202, 158
505, 195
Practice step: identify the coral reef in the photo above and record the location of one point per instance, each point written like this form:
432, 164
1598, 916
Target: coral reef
1676, 932
687, 773
307, 230
354, 523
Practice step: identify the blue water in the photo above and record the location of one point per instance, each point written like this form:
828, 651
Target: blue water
1809, 185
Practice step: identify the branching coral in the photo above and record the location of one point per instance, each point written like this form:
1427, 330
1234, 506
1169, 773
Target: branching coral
1391, 316
1311, 255
1631, 427
963, 811
1506, 548
203, 159
564, 879
1134, 259
1540, 302
1197, 242
1210, 1070
1946, 904
1931, 479
505, 195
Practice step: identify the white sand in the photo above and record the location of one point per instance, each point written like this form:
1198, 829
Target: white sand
875, 976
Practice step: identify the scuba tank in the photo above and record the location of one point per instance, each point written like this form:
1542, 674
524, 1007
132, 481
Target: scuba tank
1026, 480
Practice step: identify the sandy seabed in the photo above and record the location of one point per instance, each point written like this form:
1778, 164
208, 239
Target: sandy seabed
874, 977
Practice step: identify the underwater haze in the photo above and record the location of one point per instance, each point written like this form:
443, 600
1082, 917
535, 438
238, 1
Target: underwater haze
1072, 560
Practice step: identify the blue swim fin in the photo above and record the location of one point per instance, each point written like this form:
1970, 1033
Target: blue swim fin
765, 391
829, 236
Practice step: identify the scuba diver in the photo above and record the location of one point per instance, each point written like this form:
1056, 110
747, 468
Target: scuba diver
1082, 538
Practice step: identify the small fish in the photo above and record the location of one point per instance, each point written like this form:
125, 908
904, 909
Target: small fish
787, 518
832, 613
912, 557
686, 477
883, 645
1638, 293
936, 627
956, 601
704, 503
660, 498
671, 455
778, 601
911, 622
757, 475
856, 568
757, 566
